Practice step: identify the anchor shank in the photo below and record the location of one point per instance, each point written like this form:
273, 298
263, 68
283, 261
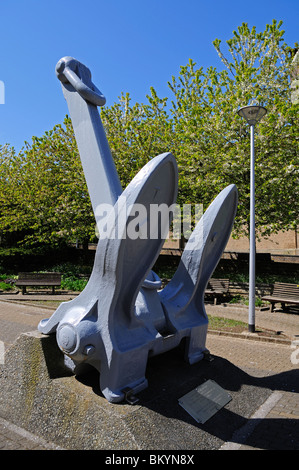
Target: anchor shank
99, 169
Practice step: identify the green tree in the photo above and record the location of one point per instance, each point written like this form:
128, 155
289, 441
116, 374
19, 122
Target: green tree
43, 193
136, 133
213, 142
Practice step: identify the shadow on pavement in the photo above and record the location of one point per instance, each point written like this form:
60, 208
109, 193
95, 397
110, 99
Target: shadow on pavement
169, 378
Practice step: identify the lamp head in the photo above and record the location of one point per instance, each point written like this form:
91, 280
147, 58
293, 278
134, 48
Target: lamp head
252, 114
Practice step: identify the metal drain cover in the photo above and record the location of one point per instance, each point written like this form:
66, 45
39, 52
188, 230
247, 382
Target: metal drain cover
204, 401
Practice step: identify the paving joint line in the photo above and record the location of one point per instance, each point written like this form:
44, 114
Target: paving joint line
241, 435
23, 433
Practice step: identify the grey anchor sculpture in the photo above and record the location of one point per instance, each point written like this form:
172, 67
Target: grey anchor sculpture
122, 316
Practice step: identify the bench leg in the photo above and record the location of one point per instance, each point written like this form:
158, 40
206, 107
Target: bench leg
53, 289
23, 290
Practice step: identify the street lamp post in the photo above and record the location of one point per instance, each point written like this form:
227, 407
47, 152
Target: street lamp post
252, 114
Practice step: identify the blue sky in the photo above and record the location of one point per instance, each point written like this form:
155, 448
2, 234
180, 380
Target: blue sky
129, 45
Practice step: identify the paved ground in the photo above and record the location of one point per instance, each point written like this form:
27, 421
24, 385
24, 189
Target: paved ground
275, 425
13, 437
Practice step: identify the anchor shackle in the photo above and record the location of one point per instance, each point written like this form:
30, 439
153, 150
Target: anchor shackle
70, 70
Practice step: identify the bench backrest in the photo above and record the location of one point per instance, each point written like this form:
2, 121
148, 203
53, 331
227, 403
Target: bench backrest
218, 285
35, 277
286, 290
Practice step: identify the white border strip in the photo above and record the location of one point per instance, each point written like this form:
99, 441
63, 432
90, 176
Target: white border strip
28, 435
241, 435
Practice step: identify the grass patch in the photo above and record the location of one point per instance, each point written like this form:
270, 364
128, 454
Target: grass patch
227, 324
241, 299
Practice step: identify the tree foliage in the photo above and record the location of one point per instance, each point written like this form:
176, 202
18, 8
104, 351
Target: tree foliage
136, 133
43, 192
215, 148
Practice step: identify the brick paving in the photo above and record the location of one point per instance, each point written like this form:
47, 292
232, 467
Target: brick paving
280, 429
271, 362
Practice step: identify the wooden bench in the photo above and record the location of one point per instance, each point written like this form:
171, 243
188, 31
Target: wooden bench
38, 280
283, 293
217, 288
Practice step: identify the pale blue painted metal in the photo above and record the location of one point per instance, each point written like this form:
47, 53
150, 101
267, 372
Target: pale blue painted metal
122, 317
